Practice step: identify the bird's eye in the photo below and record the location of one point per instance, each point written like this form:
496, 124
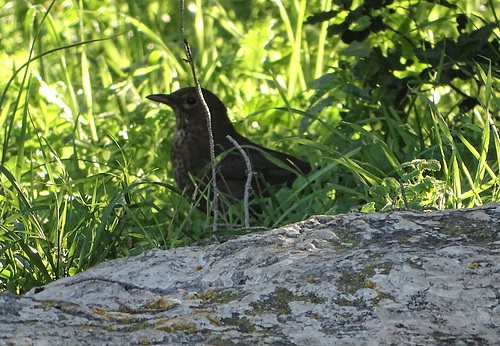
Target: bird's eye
191, 101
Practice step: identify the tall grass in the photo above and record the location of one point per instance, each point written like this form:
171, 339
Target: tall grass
85, 173
85, 169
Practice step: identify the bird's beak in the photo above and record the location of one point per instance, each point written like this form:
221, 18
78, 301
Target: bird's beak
163, 98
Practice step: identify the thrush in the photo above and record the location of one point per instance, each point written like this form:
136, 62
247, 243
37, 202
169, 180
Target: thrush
190, 151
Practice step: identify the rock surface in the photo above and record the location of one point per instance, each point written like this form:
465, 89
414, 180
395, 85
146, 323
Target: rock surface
394, 278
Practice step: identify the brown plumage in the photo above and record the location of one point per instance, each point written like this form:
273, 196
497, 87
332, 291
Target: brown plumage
190, 150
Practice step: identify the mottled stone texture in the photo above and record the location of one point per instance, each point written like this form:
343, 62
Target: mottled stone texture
394, 278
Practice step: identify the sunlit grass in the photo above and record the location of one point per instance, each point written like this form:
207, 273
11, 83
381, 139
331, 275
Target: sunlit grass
85, 173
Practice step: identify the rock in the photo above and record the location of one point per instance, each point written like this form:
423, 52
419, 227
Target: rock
416, 278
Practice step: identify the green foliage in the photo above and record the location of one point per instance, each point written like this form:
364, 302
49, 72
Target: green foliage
415, 190
412, 83
376, 98
85, 165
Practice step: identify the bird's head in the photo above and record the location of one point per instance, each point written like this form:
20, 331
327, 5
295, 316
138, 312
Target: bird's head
189, 110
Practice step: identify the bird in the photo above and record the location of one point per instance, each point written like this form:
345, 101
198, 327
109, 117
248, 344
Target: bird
190, 152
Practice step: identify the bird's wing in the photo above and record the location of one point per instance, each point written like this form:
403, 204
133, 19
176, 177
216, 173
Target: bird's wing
274, 167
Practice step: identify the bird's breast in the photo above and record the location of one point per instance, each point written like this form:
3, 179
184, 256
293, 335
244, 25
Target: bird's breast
190, 154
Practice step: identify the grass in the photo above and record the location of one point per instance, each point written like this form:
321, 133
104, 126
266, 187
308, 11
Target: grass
85, 173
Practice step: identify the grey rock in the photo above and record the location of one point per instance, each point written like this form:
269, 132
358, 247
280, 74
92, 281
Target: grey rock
413, 278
